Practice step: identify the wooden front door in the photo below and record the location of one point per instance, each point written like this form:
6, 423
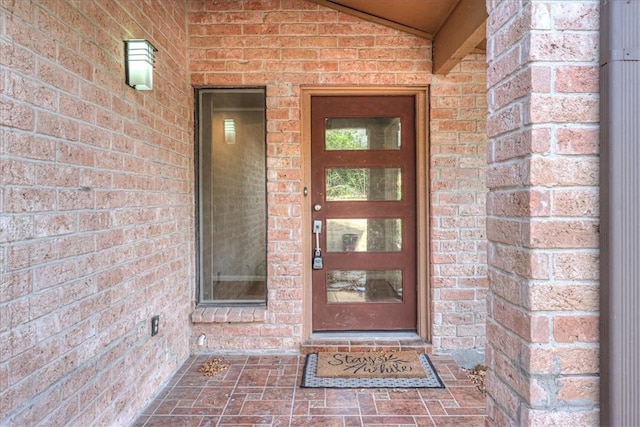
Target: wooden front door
363, 197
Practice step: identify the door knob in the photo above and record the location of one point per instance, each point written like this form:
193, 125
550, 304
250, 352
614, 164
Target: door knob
317, 207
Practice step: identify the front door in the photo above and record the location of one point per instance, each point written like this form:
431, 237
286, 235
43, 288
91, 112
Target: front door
363, 197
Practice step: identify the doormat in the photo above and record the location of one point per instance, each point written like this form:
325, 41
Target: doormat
370, 364
360, 373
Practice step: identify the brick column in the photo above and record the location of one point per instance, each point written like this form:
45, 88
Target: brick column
542, 212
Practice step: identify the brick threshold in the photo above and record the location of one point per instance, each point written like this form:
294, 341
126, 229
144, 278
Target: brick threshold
365, 341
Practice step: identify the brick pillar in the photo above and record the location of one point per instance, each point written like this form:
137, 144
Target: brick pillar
542, 212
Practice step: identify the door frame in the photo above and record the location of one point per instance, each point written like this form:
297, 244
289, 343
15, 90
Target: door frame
421, 96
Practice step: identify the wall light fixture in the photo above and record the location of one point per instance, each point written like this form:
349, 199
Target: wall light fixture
229, 131
140, 60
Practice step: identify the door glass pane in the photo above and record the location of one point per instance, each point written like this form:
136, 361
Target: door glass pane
356, 286
232, 196
362, 133
364, 235
363, 184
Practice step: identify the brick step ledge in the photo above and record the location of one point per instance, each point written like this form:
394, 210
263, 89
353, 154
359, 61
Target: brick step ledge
365, 341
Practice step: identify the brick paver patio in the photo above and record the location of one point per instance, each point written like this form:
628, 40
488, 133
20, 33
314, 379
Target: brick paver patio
264, 390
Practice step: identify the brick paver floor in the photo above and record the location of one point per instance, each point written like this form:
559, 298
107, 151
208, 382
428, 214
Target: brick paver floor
265, 391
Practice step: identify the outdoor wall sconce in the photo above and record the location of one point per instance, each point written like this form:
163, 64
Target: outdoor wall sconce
140, 59
229, 131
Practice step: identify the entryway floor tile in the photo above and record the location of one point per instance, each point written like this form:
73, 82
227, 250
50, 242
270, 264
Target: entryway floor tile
265, 391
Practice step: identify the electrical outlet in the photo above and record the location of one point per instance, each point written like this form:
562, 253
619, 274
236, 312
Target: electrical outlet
155, 324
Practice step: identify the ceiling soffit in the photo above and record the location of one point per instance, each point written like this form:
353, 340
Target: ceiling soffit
456, 27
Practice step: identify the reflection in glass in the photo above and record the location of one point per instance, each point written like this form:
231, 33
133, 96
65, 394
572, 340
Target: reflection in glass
362, 133
356, 286
364, 235
363, 184
232, 196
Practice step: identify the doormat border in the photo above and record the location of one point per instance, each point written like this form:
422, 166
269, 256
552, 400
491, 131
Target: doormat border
310, 380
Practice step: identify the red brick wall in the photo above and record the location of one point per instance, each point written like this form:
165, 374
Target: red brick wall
96, 232
542, 224
458, 194
97, 188
285, 44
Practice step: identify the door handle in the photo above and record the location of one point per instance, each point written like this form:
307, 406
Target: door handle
317, 253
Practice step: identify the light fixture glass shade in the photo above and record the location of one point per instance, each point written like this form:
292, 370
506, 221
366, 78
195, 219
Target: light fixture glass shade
229, 131
140, 59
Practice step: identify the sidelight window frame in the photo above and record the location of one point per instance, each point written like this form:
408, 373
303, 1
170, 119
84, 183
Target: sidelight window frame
227, 128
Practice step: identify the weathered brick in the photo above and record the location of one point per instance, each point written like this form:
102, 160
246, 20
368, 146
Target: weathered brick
74, 126
504, 231
531, 203
563, 234
530, 79
16, 115
579, 266
559, 46
526, 263
503, 395
506, 175
562, 297
559, 109
531, 328
576, 328
549, 73
589, 417
579, 390
577, 79
578, 141
576, 202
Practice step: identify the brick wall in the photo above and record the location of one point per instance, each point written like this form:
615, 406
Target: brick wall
542, 224
97, 188
285, 44
458, 212
96, 232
